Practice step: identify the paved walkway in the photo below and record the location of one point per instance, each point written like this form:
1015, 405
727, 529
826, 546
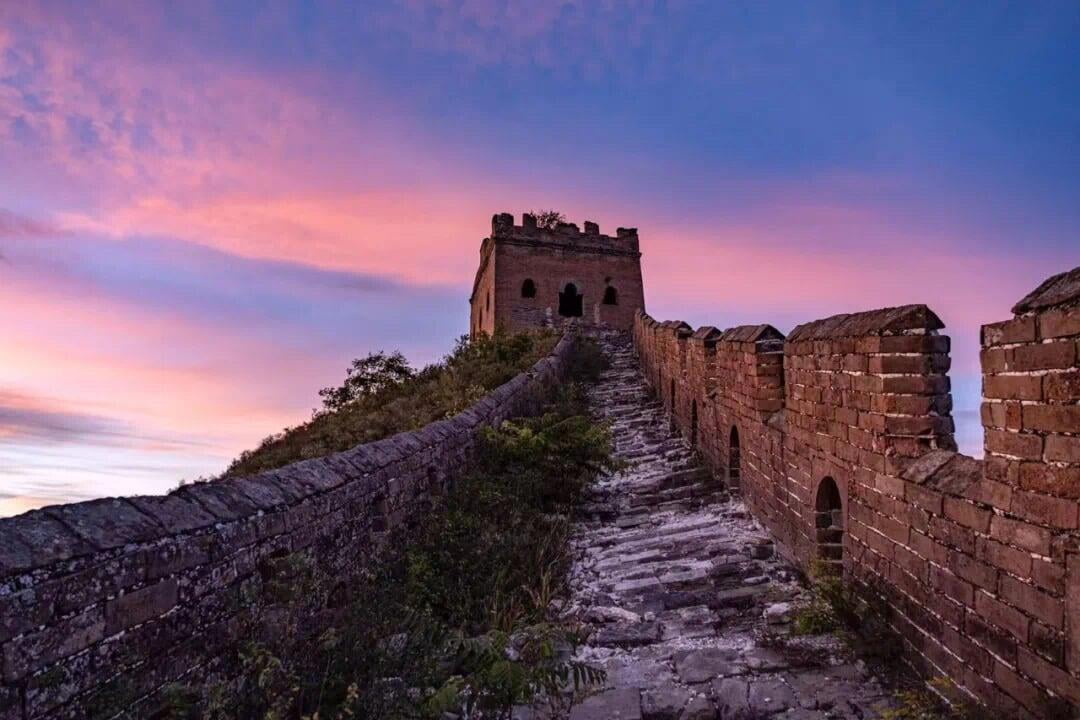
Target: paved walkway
688, 603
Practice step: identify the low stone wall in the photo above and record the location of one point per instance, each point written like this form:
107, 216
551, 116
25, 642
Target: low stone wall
103, 603
840, 439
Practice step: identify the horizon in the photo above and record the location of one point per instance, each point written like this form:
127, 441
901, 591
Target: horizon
206, 213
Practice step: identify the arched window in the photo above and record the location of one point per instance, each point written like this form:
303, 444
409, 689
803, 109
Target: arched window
570, 302
611, 296
734, 469
829, 516
528, 288
489, 300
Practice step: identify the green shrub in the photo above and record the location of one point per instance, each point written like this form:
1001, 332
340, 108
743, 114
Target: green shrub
860, 613
381, 395
453, 615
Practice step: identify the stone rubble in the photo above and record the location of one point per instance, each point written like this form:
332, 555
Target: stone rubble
686, 603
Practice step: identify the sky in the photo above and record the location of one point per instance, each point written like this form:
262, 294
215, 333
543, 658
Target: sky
207, 209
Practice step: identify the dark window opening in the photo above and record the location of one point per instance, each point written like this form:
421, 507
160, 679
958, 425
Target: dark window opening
489, 300
570, 302
528, 288
611, 296
829, 521
734, 468
672, 398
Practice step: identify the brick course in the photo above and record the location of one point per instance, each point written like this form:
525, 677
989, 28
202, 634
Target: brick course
111, 600
979, 558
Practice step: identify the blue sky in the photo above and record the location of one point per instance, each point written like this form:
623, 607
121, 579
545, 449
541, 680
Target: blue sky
206, 210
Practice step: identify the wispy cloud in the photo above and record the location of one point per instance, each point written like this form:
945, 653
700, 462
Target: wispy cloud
19, 227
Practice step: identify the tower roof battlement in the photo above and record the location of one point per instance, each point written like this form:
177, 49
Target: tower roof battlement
565, 235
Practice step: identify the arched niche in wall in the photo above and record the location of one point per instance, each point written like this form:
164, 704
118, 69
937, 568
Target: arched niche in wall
829, 525
528, 288
571, 302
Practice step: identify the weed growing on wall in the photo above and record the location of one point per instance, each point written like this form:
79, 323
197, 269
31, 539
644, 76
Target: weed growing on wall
857, 613
454, 614
382, 395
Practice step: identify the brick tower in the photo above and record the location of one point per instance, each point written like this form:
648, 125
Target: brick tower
537, 277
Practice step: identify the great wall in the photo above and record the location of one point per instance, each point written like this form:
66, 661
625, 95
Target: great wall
755, 455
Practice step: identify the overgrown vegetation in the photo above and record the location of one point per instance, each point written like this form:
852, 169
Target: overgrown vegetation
382, 395
924, 704
836, 606
548, 219
454, 613
860, 616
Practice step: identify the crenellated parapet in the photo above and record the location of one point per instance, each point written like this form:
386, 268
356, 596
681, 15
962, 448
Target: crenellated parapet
840, 439
531, 276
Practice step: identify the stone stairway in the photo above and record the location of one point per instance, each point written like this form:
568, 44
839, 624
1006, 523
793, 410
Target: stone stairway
687, 605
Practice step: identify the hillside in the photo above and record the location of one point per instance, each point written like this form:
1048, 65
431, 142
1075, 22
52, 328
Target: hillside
382, 395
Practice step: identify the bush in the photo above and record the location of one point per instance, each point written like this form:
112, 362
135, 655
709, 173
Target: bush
381, 395
859, 613
454, 614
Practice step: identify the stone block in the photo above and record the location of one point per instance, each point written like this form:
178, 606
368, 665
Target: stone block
108, 523
137, 607
37, 650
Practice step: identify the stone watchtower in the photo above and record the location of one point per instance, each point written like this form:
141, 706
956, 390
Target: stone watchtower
537, 277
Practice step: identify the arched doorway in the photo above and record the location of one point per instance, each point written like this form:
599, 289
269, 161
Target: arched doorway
734, 452
570, 302
611, 296
528, 288
829, 525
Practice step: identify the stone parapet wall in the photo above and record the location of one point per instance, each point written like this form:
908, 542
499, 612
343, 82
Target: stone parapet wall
840, 439
104, 603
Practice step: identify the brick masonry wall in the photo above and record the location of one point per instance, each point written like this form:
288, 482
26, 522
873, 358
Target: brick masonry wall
845, 452
593, 262
104, 603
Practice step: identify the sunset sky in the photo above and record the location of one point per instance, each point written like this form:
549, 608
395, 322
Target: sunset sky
207, 209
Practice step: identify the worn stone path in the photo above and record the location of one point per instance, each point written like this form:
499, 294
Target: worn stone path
688, 605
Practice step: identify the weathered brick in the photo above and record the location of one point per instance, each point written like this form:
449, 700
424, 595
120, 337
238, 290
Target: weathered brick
1052, 418
1062, 482
1002, 556
1013, 387
967, 514
1013, 444
1045, 509
952, 534
997, 641
1033, 601
994, 360
1048, 675
977, 573
1048, 575
1062, 387
956, 588
1062, 448
1059, 323
136, 607
924, 497
1002, 615
34, 651
1047, 642
1019, 330
1020, 688
1021, 534
1060, 354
